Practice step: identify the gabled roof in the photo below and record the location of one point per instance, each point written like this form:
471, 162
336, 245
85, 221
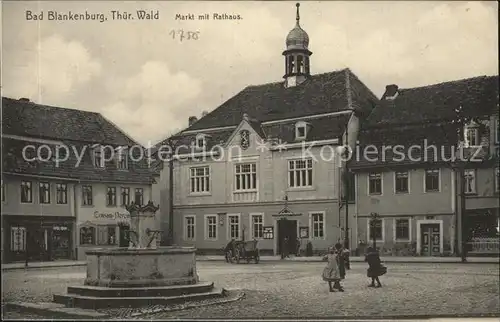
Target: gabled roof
424, 114
322, 93
29, 119
13, 162
478, 96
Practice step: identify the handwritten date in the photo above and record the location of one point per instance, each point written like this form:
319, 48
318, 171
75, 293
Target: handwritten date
184, 35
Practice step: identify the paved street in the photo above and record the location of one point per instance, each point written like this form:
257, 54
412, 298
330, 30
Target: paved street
293, 290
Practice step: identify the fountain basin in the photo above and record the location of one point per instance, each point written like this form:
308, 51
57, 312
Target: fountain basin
127, 267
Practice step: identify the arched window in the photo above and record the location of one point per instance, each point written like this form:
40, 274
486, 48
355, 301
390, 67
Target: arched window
300, 64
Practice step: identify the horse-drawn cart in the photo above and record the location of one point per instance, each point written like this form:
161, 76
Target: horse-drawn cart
243, 250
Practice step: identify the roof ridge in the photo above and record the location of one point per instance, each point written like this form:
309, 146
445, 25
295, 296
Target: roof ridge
449, 82
49, 106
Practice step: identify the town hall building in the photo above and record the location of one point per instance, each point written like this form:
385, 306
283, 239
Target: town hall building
264, 165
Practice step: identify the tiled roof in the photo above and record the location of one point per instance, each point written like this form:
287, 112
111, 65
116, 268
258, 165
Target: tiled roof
13, 162
25, 118
478, 96
321, 94
423, 114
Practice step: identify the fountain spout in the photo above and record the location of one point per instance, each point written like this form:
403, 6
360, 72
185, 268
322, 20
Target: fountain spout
142, 234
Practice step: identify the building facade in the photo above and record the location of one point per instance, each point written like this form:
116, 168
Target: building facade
66, 177
264, 165
428, 198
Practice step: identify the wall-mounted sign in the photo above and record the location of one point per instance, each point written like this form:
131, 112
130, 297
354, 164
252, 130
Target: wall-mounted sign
268, 232
114, 215
304, 232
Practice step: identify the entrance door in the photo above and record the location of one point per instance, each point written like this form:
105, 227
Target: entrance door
430, 239
36, 246
287, 236
123, 235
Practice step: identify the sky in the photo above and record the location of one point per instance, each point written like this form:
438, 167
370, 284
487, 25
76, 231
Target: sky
143, 78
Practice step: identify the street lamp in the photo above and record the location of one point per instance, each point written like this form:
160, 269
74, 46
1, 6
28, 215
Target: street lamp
374, 222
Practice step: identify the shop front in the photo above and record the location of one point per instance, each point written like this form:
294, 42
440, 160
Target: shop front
37, 238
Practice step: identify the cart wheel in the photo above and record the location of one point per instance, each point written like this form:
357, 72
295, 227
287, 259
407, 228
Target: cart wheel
248, 259
238, 256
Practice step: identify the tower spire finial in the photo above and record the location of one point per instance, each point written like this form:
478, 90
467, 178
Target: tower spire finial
298, 14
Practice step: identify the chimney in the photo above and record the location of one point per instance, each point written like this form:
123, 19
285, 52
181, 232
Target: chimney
24, 99
204, 113
192, 120
391, 92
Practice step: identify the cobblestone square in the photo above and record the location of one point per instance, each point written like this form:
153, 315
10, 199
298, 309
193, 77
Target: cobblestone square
295, 290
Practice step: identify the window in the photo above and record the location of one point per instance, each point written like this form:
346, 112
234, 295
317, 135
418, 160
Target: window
234, 226
17, 239
401, 182
44, 192
318, 225
375, 183
471, 136
470, 180
402, 229
257, 224
375, 229
98, 157
106, 235
125, 196
431, 180
111, 196
200, 141
139, 196
300, 130
87, 195
497, 181
200, 178
211, 227
189, 227
87, 236
122, 159
61, 193
26, 192
4, 193
300, 173
246, 176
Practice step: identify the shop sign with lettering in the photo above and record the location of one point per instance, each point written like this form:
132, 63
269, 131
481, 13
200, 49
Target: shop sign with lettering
113, 215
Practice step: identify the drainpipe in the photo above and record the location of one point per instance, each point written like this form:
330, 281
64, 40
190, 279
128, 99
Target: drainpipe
75, 234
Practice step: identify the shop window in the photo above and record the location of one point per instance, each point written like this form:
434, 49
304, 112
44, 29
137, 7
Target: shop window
87, 236
106, 235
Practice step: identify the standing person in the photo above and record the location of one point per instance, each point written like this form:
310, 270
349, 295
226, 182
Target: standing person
375, 267
229, 251
331, 273
284, 249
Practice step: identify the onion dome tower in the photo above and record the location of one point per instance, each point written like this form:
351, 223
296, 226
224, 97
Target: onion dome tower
297, 67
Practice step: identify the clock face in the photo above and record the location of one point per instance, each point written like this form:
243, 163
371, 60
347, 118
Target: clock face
245, 139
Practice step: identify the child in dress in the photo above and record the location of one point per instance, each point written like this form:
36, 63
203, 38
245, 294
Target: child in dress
331, 273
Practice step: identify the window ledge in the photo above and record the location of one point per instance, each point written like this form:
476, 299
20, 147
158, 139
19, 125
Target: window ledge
402, 192
199, 194
431, 191
375, 194
402, 240
307, 188
87, 206
471, 194
245, 191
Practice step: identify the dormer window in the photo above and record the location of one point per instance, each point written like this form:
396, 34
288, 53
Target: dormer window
97, 156
121, 158
301, 130
201, 141
471, 135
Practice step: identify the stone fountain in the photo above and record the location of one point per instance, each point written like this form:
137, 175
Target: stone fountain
142, 274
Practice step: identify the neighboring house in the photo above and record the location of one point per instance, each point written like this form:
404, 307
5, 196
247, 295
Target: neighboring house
416, 192
56, 210
263, 165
